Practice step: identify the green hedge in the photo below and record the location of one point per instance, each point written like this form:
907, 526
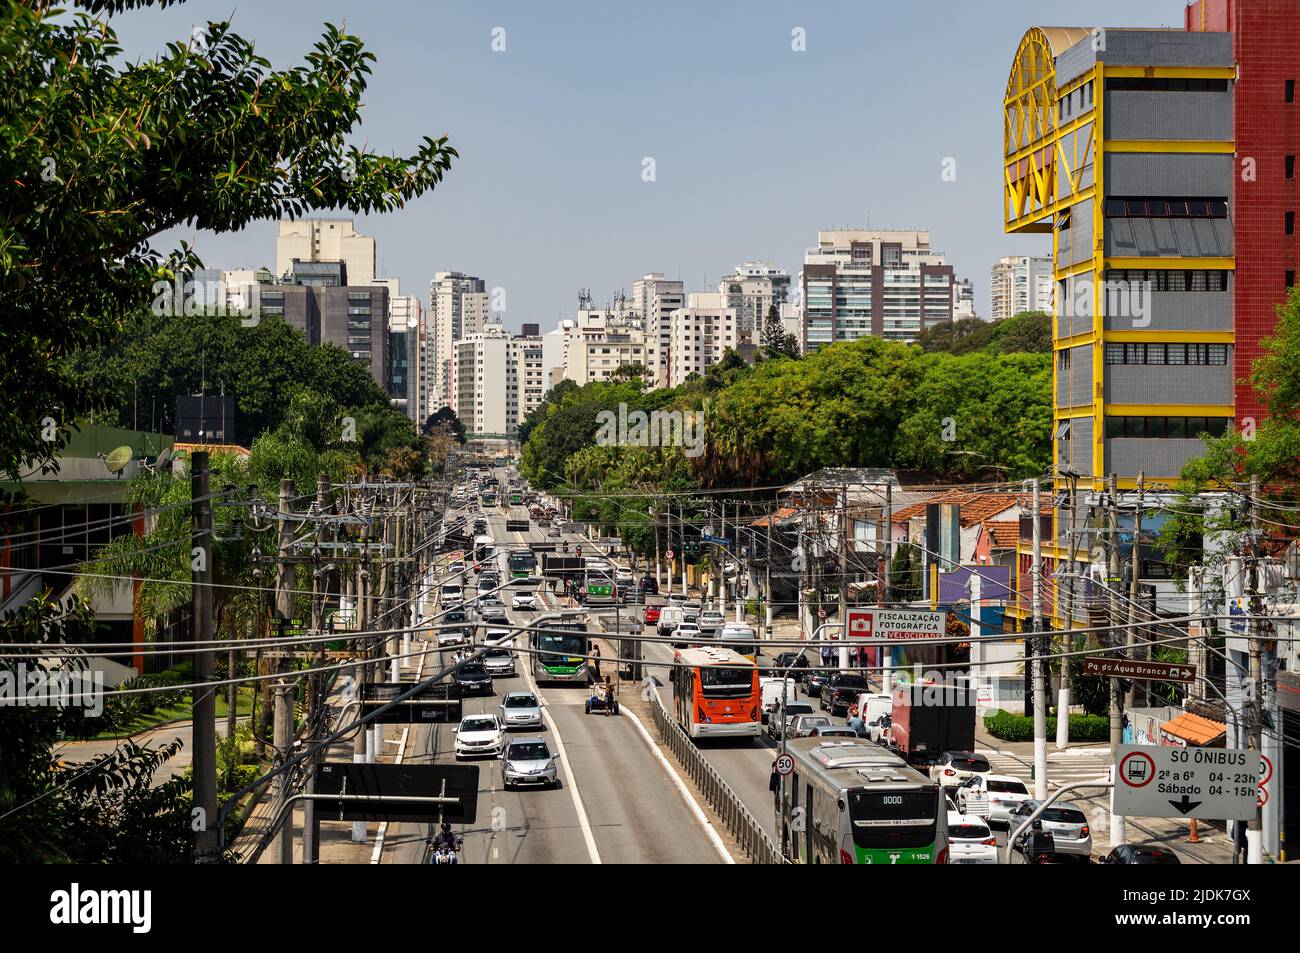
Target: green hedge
1009, 727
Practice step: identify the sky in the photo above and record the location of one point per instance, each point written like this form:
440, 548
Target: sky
756, 145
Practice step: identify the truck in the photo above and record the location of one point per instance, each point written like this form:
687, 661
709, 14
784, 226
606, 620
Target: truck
928, 720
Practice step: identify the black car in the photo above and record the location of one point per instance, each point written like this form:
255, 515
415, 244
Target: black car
452, 616
648, 585
813, 678
1140, 854
841, 690
787, 663
474, 677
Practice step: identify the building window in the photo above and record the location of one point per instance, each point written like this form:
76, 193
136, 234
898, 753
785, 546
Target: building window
1290, 279
1290, 90
1161, 428
1166, 208
1290, 223
1157, 354
1290, 167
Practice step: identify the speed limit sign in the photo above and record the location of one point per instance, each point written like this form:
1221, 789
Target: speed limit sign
783, 765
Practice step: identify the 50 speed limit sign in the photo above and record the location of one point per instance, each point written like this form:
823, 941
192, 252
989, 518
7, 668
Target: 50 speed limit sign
783, 765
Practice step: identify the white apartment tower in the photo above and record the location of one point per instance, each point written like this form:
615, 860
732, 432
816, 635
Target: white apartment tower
701, 333
458, 307
752, 290
326, 239
1020, 283
657, 298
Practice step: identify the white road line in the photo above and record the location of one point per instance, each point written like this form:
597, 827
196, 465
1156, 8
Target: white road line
682, 789
570, 777
401, 753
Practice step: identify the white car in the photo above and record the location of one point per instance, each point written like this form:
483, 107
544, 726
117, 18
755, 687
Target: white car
685, 634
479, 736
994, 796
452, 595
623, 576
453, 635
521, 710
970, 841
1071, 833
955, 768
497, 636
524, 600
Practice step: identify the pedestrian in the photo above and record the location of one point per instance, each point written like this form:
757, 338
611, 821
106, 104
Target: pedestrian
856, 723
595, 659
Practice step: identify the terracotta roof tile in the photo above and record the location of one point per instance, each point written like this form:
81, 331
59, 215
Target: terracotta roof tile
1194, 729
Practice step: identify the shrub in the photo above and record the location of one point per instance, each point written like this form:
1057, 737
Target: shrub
1008, 727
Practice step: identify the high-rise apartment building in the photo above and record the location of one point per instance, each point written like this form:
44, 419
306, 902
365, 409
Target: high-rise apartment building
702, 332
325, 240
600, 341
656, 298
458, 307
885, 283
1020, 283
751, 290
354, 318
496, 379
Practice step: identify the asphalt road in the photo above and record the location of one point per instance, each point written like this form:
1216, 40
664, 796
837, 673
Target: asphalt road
615, 804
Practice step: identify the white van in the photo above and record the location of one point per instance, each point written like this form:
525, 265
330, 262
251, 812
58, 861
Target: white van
743, 636
670, 617
452, 594
872, 705
771, 688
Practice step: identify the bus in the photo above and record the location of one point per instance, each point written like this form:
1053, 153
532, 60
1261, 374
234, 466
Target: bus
716, 693
598, 586
854, 802
489, 499
516, 497
559, 650
522, 562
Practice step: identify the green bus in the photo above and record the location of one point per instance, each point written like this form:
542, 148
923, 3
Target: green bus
598, 587
521, 564
854, 802
560, 650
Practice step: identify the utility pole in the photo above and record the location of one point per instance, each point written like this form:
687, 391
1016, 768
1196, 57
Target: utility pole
316, 684
1040, 656
1117, 827
1255, 826
767, 578
681, 512
206, 839
283, 736
1135, 574
844, 577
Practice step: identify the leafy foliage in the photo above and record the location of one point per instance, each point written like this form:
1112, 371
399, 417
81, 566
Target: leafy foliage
1026, 332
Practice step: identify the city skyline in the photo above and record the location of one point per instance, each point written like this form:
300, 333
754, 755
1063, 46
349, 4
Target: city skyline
684, 78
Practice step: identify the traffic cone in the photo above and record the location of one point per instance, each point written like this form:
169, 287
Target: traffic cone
1193, 839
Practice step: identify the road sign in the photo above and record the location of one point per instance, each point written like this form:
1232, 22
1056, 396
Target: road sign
669, 554
896, 624
783, 765
454, 781
718, 540
1265, 775
1136, 668
1210, 783
437, 704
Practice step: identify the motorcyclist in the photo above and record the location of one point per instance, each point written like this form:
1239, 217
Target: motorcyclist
1039, 844
445, 840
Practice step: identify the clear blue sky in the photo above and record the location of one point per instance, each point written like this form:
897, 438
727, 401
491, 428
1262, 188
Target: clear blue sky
756, 146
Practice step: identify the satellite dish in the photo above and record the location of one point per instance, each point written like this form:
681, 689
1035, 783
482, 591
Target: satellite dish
164, 460
118, 459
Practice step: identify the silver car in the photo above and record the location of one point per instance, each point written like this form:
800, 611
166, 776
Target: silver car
1071, 833
521, 710
528, 761
499, 661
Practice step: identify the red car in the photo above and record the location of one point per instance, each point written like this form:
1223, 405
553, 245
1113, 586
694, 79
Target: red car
651, 615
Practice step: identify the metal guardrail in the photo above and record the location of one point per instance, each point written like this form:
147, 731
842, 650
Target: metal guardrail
742, 824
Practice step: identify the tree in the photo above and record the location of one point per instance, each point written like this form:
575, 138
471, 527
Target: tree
775, 340
100, 155
447, 417
1026, 332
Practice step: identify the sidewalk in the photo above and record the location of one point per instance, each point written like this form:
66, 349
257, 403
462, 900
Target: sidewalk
1081, 762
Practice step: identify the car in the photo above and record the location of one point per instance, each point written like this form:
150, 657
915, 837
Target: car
691, 610
685, 634
670, 617
553, 532
676, 599
487, 584
803, 725
528, 761
524, 600
452, 635
813, 678
457, 567
969, 840
786, 663
832, 731
1071, 835
651, 615
452, 616
499, 661
878, 728
451, 594
782, 717
841, 690
955, 767
648, 584
623, 576
473, 676
996, 794
521, 710
479, 736
771, 690
711, 622
497, 636
493, 610
1140, 854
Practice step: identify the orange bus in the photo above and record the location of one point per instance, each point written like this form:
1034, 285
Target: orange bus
716, 693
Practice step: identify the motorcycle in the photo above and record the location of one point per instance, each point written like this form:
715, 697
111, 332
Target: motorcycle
443, 853
1038, 847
